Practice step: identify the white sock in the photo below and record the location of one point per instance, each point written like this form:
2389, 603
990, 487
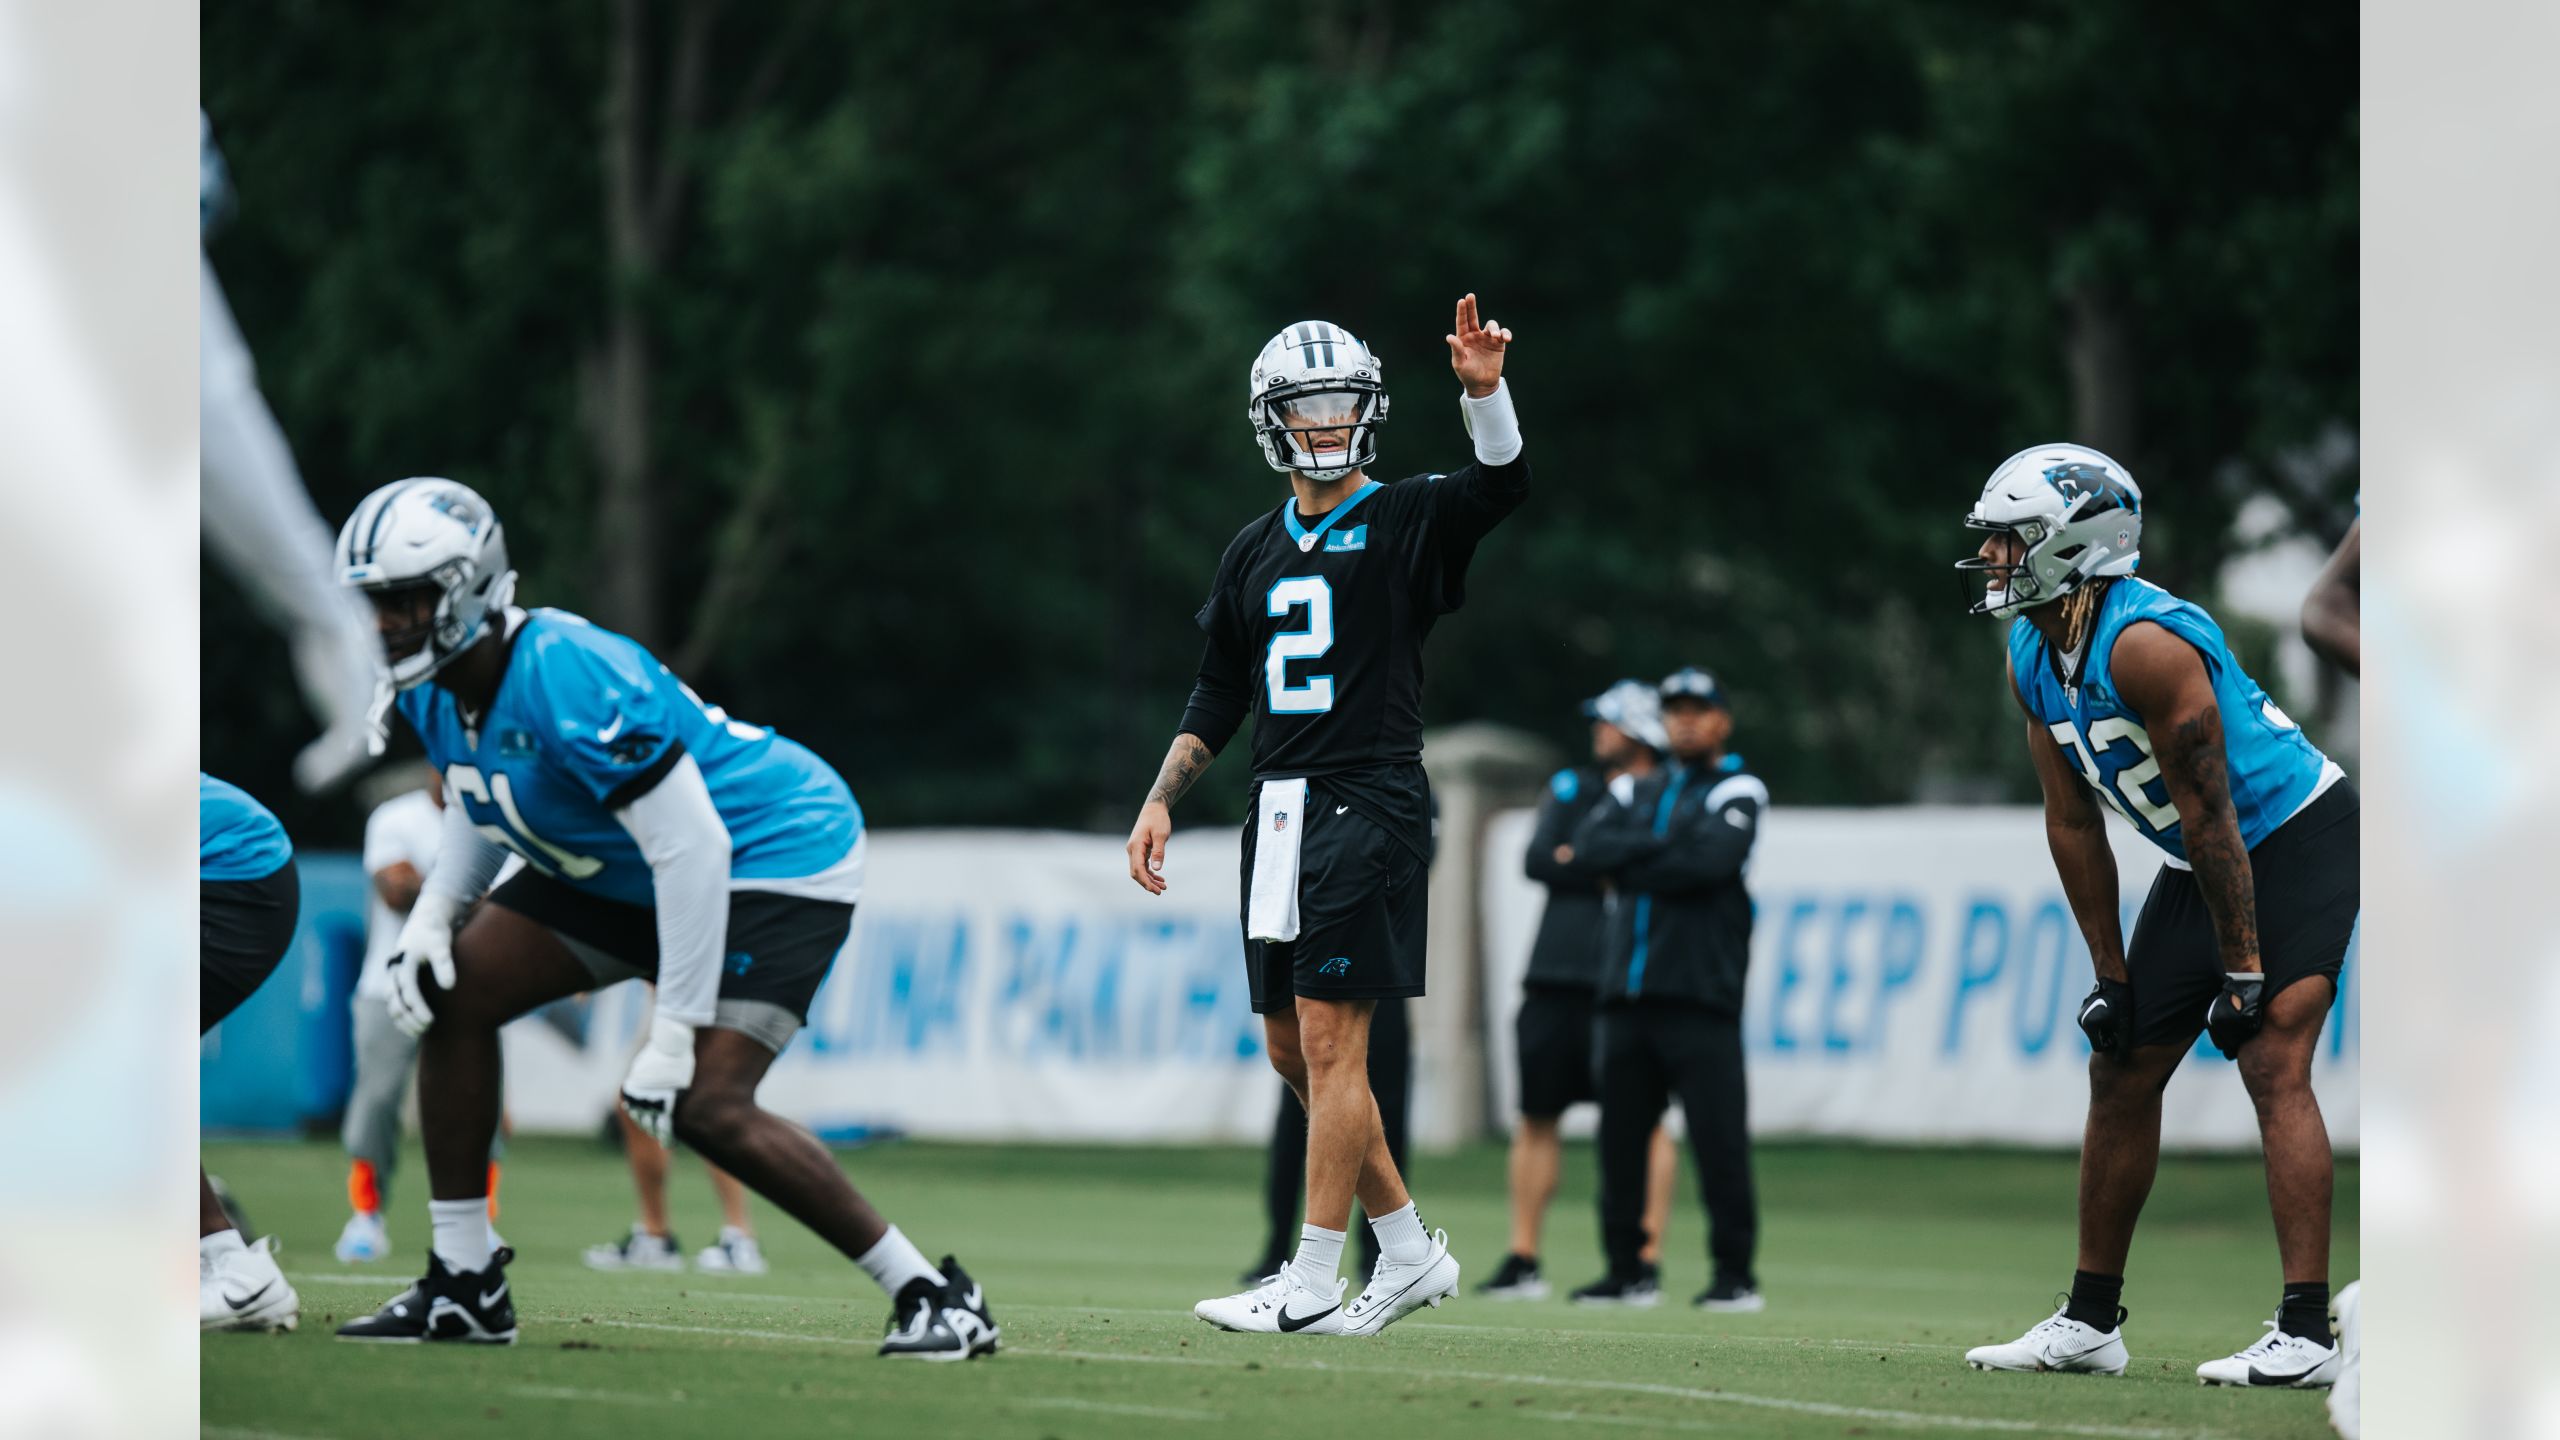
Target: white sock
1401, 1238
462, 1234
220, 1243
1319, 1258
895, 1261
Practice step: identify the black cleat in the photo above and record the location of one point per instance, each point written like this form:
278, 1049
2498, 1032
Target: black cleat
473, 1307
940, 1322
1518, 1279
1731, 1297
1642, 1290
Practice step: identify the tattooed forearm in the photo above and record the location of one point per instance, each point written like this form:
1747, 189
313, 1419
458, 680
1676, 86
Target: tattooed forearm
1182, 765
2200, 782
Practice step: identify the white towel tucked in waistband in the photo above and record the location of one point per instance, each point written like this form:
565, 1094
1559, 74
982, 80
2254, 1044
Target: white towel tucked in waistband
1271, 911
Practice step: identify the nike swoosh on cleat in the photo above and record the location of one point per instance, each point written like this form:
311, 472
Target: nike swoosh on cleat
2261, 1377
2082, 1355
492, 1297
1292, 1324
976, 1299
243, 1302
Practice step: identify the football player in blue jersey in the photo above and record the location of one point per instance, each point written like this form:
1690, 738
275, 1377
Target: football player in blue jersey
2134, 702
661, 838
249, 899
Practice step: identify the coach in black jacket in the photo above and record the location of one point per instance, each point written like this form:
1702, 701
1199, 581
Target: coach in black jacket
1674, 847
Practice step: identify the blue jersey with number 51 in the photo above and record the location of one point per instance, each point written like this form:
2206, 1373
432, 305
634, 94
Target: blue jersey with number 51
584, 722
2275, 769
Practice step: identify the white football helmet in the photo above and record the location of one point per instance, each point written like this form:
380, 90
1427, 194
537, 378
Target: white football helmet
435, 534
2077, 512
1314, 378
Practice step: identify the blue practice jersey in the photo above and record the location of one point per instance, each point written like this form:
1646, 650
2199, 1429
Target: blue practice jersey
585, 721
2275, 769
236, 837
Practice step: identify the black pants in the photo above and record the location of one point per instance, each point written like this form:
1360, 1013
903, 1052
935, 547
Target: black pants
1650, 1052
1285, 1183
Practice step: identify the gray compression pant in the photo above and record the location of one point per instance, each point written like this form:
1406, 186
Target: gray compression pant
385, 1059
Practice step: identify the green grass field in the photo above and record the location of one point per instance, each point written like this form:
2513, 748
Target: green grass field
1881, 1267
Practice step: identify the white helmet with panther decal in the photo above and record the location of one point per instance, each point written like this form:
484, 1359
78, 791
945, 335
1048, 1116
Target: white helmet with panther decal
1316, 400
428, 534
2077, 514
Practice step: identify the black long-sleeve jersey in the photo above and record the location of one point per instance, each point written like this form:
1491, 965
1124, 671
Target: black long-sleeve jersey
1315, 626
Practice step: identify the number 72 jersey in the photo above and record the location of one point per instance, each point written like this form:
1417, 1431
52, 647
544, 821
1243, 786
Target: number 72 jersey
584, 722
2275, 770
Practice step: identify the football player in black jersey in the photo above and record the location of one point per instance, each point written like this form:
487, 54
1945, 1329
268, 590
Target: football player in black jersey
1315, 624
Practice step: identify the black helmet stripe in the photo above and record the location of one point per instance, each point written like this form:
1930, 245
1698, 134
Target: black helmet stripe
373, 528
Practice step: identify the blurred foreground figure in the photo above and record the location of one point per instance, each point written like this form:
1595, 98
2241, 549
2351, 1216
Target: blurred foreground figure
258, 519
661, 839
2134, 693
1315, 625
2333, 624
250, 900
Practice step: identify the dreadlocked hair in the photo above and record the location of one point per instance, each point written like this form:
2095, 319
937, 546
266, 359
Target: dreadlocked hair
2080, 612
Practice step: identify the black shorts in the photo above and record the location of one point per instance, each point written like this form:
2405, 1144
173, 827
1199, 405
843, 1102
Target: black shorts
2305, 875
778, 951
1363, 909
245, 927
1555, 1031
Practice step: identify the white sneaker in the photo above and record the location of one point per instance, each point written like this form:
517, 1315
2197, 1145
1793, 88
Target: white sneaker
2278, 1361
245, 1291
1396, 1291
642, 1251
2344, 1396
2060, 1343
365, 1238
1283, 1306
736, 1254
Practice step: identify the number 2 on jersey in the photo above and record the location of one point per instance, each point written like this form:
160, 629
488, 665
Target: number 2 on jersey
1316, 695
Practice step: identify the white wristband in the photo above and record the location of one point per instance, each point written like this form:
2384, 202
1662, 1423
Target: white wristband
1492, 424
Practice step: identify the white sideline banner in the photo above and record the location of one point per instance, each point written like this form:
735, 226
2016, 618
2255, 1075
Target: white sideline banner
998, 985
1914, 973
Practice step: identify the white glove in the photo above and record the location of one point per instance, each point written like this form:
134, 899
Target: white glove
426, 943
1622, 788
662, 1071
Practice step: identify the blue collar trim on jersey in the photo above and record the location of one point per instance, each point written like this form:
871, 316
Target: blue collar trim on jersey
1300, 532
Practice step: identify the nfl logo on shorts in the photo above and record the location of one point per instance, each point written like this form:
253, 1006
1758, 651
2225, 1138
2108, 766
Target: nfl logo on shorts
1279, 821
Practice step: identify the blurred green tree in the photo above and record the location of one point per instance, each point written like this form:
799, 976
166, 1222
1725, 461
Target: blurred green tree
878, 364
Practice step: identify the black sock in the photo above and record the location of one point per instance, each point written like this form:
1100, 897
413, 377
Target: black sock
2094, 1299
2305, 1311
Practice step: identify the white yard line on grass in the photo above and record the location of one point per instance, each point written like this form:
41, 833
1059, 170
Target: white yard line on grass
1098, 1407
235, 1432
1907, 1419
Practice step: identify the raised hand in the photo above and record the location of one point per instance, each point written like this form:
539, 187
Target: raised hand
1475, 350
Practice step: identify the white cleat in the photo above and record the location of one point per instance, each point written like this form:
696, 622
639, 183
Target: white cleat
365, 1238
2345, 1395
2061, 1344
245, 1291
736, 1254
642, 1251
2278, 1361
1284, 1305
1396, 1291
